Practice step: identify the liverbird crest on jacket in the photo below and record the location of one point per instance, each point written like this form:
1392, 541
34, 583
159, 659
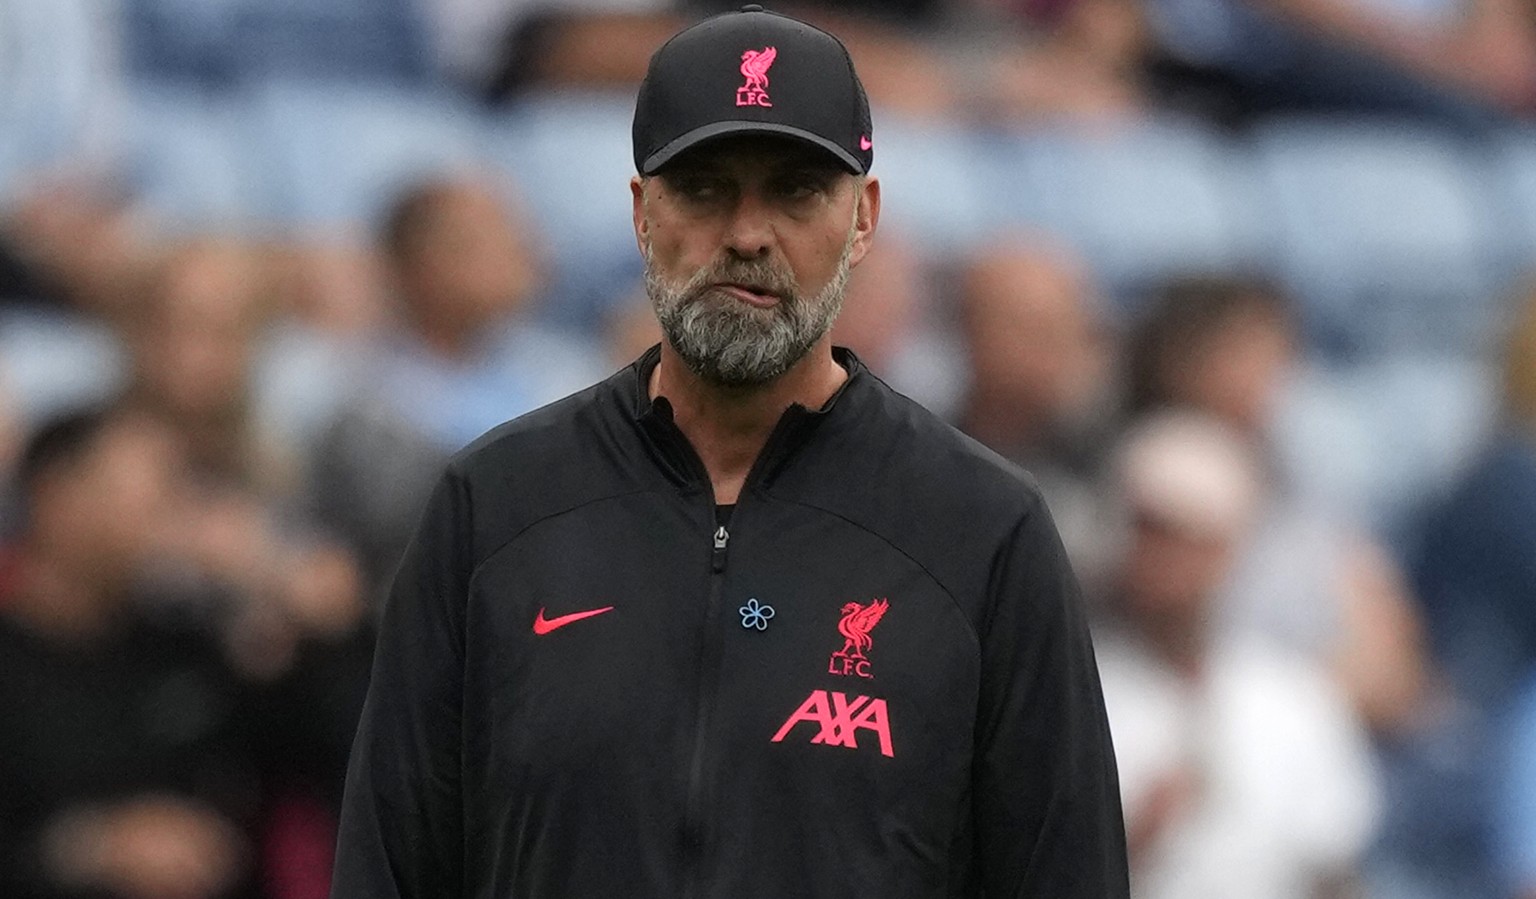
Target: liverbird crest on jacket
857, 621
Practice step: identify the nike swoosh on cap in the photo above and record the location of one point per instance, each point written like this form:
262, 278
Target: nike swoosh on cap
542, 625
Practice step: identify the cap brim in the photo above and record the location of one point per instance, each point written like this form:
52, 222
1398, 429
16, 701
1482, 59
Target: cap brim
716, 130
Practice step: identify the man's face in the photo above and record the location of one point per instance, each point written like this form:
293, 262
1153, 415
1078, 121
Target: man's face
469, 264
105, 513
748, 244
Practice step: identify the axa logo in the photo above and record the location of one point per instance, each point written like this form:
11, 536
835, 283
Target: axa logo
754, 68
855, 626
839, 719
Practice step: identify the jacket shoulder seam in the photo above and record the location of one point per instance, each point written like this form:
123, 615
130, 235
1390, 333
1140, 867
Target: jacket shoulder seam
474, 574
954, 601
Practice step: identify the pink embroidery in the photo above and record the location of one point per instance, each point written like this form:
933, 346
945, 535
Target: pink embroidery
754, 68
865, 143
857, 622
840, 718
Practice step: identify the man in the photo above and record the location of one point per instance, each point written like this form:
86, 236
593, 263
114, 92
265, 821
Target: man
739, 621
1245, 772
125, 759
465, 357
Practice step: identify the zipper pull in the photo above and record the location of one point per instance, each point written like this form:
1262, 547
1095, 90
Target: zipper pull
722, 536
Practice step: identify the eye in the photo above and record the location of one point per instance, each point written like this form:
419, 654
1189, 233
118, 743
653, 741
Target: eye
799, 186
698, 188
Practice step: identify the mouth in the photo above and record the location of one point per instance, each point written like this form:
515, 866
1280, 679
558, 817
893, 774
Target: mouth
751, 294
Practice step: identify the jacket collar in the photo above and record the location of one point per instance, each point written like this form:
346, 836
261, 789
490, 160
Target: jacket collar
677, 456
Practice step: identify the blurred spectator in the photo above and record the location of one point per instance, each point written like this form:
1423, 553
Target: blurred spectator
333, 287
1061, 60
291, 612
1463, 828
1475, 563
889, 320
126, 770
74, 242
1040, 384
988, 60
193, 345
1227, 346
463, 358
1459, 62
509, 46
1220, 343
1243, 772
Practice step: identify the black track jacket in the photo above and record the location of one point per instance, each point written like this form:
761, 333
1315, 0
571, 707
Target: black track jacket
874, 682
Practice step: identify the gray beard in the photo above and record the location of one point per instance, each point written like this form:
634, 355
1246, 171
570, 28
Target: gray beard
731, 344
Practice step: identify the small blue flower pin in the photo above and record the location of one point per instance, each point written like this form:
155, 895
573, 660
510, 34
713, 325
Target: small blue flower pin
755, 614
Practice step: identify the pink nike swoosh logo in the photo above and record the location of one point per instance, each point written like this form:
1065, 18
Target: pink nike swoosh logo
865, 143
542, 625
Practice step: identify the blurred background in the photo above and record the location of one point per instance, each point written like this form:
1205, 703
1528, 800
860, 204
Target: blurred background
1244, 283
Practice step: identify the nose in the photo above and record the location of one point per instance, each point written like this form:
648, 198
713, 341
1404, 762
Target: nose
749, 233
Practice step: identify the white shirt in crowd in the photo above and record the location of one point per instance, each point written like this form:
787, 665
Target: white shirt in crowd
1278, 792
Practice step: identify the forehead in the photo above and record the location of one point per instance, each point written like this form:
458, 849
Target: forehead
747, 154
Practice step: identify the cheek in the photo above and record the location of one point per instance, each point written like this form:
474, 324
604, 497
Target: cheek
676, 250
814, 261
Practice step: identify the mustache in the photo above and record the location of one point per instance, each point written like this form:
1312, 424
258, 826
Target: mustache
760, 275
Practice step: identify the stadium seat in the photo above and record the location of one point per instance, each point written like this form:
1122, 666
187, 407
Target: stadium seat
376, 40
225, 42
52, 362
190, 158
1381, 438
1512, 189
341, 151
1142, 202
57, 87
570, 156
932, 189
1381, 231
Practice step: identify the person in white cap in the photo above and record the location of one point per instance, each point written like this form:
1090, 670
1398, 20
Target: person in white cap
1244, 772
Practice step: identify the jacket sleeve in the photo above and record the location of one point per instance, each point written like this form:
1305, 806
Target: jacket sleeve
1045, 794
401, 832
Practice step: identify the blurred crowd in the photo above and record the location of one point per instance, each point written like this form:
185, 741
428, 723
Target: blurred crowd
1244, 284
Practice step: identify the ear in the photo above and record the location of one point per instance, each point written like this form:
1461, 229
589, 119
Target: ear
637, 196
866, 219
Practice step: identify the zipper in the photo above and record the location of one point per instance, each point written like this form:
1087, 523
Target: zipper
710, 654
696, 834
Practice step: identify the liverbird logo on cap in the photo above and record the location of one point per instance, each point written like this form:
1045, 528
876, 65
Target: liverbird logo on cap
857, 622
754, 67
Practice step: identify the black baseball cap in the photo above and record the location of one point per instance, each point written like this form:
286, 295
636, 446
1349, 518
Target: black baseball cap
752, 72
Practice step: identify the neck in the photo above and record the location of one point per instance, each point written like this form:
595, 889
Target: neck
728, 426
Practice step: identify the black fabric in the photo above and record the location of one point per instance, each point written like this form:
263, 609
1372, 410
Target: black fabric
571, 697
149, 710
